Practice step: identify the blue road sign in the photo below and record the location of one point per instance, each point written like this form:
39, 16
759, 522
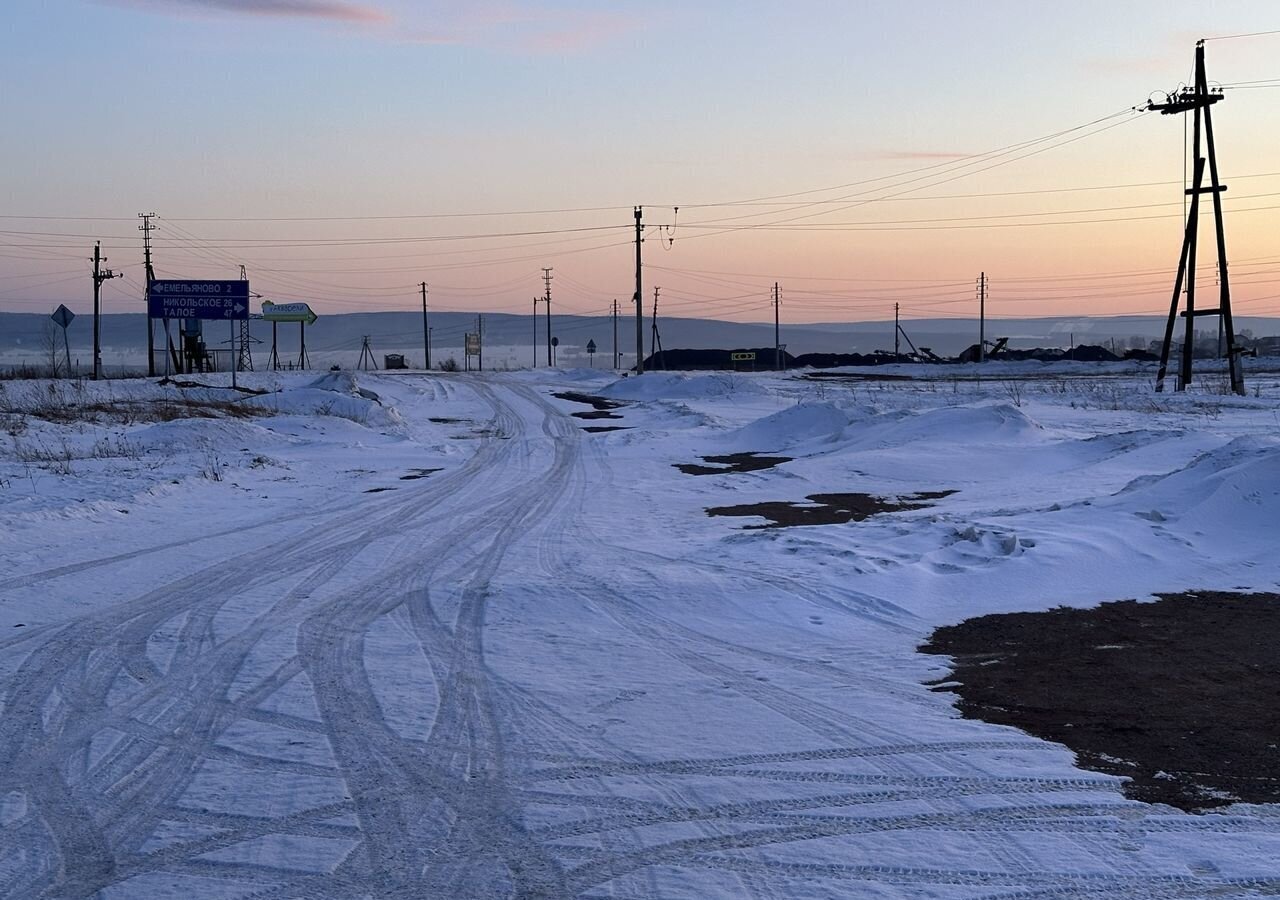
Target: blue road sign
199, 300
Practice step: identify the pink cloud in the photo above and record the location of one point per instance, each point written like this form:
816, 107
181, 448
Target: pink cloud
328, 10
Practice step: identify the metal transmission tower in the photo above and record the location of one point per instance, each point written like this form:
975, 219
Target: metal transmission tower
244, 359
1197, 99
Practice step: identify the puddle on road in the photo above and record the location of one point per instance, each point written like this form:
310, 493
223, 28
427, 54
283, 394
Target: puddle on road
1179, 695
828, 509
732, 462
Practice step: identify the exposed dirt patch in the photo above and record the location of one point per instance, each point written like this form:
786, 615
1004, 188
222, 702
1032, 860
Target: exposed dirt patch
1182, 695
589, 399
379, 490
596, 429
415, 474
443, 420
828, 509
600, 406
733, 462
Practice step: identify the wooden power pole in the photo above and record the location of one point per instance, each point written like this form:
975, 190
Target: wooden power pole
1197, 99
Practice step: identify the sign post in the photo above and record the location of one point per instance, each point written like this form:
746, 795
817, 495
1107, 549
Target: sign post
301, 313
62, 317
471, 347
198, 300
591, 353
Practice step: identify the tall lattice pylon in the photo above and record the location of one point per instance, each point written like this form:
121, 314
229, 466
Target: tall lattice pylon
1197, 100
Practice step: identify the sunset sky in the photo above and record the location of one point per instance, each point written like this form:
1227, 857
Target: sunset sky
345, 152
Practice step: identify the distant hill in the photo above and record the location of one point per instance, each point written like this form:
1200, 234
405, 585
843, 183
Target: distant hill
509, 339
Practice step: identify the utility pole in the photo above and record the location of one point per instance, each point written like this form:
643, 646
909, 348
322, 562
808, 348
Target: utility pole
536, 301
982, 317
896, 330
653, 330
426, 330
639, 295
1198, 99
146, 228
615, 335
546, 277
777, 334
480, 335
99, 275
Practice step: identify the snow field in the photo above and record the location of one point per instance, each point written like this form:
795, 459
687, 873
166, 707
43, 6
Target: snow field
543, 671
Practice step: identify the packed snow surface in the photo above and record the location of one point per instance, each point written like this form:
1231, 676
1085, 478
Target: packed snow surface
422, 636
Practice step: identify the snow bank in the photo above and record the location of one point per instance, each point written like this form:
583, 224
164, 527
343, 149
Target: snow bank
333, 394
1225, 494
997, 423
804, 423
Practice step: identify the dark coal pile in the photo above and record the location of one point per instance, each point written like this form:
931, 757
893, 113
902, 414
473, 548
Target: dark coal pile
828, 509
1182, 696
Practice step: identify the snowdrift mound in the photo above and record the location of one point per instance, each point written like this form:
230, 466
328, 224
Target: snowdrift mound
332, 394
994, 424
804, 423
342, 383
677, 386
1224, 494
184, 434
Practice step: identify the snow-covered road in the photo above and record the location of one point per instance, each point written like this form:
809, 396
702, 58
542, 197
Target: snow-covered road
541, 672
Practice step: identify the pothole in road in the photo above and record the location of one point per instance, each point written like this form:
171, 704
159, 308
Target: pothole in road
732, 462
1180, 695
828, 509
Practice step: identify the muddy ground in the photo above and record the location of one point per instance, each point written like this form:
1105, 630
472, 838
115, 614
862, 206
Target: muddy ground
828, 509
1182, 695
732, 462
